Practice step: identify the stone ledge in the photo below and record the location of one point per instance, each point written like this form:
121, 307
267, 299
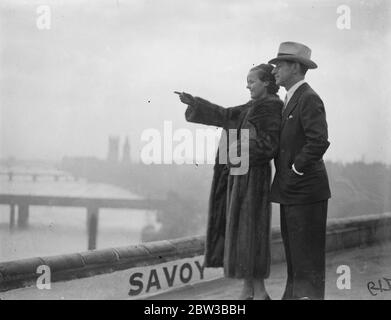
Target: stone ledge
341, 234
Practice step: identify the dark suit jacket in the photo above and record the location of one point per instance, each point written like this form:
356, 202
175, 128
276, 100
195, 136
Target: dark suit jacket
303, 141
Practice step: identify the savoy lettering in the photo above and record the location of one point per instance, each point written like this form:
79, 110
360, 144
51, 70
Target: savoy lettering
171, 275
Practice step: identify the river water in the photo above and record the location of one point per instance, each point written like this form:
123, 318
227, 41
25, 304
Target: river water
60, 230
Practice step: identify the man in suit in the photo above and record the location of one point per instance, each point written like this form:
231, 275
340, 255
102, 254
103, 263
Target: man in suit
301, 184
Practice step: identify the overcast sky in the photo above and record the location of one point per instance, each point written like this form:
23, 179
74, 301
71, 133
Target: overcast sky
110, 67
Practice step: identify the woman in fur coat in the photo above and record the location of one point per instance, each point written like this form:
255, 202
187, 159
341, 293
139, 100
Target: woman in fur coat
239, 215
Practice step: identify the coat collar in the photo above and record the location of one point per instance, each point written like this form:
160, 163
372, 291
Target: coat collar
271, 99
257, 105
293, 102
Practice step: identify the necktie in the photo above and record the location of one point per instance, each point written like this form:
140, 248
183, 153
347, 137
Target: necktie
285, 102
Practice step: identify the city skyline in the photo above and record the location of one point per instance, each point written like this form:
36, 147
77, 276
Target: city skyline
110, 68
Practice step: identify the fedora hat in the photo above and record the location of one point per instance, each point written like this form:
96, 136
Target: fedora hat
294, 51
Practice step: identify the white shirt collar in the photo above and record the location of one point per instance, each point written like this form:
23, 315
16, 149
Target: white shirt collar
292, 90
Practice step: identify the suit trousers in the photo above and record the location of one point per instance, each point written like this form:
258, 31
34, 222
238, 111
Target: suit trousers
303, 230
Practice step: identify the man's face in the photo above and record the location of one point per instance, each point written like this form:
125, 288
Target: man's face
283, 72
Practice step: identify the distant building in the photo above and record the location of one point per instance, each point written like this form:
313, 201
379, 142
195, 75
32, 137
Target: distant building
113, 152
126, 152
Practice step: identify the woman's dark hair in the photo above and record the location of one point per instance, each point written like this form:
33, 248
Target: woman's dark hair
264, 73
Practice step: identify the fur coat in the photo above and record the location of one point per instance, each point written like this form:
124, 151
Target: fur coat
238, 229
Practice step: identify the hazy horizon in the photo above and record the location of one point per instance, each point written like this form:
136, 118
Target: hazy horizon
109, 68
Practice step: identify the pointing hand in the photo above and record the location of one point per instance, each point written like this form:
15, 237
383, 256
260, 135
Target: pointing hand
186, 98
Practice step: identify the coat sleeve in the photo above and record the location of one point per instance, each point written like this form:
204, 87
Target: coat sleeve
264, 134
205, 112
313, 120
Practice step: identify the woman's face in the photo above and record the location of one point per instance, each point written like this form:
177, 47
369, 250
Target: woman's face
257, 87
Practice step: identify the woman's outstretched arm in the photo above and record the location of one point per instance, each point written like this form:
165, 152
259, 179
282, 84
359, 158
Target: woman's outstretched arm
202, 111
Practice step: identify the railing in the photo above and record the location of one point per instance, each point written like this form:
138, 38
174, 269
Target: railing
341, 234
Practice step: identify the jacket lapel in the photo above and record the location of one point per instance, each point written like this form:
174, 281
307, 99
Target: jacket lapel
293, 102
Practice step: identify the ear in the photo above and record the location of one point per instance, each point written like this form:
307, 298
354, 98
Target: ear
297, 67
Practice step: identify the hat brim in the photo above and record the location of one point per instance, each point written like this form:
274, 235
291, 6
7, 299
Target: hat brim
307, 62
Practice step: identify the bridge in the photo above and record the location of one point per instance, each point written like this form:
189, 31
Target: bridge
92, 205
20, 196
357, 249
56, 175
